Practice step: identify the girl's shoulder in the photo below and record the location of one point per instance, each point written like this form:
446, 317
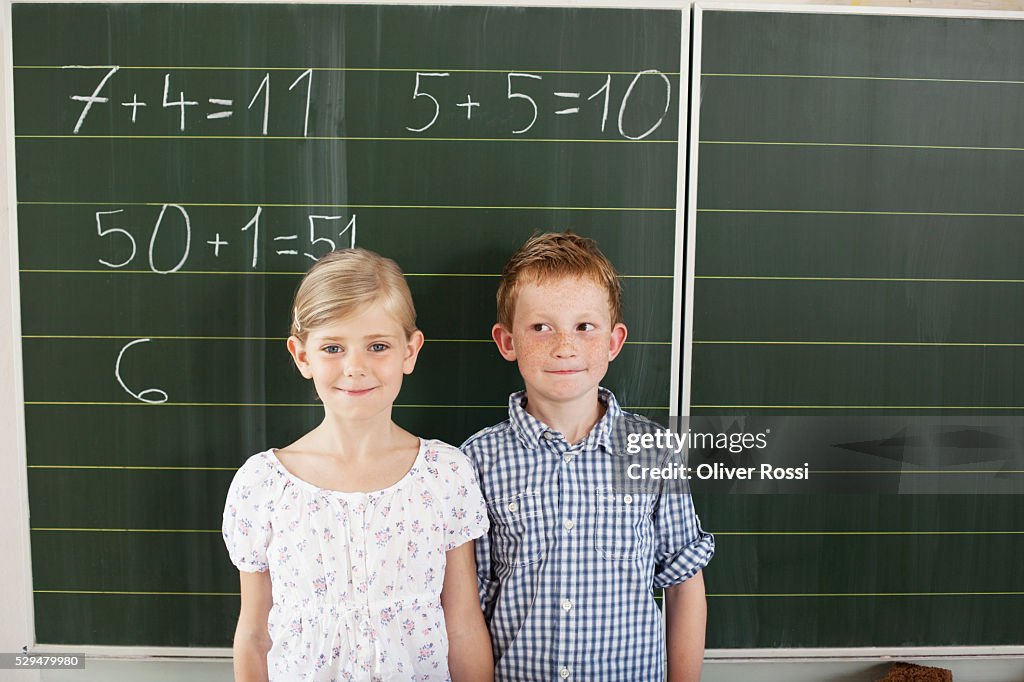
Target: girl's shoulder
259, 470
442, 458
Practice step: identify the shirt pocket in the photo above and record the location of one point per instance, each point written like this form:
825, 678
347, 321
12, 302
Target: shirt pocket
517, 529
622, 524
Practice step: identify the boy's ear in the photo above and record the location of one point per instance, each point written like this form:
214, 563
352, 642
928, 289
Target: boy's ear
503, 338
298, 352
412, 351
619, 333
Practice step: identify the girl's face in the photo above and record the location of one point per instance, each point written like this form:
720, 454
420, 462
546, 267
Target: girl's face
357, 362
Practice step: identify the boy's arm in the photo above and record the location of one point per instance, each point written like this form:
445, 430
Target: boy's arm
252, 639
686, 612
469, 645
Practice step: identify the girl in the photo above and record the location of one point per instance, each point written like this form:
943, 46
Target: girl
354, 543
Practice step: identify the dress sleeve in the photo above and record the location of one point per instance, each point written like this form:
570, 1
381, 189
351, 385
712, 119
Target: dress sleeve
465, 513
247, 528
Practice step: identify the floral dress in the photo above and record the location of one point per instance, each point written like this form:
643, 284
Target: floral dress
356, 577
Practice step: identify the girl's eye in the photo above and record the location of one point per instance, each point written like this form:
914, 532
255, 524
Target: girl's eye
379, 347
332, 349
585, 327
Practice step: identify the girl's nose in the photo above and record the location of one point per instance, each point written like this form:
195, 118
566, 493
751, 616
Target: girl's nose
355, 365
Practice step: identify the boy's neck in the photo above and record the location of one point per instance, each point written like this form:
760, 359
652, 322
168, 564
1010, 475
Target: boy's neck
574, 420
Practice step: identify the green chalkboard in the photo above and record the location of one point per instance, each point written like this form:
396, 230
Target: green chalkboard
858, 251
179, 167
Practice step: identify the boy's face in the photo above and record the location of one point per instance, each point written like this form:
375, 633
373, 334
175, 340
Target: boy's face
562, 337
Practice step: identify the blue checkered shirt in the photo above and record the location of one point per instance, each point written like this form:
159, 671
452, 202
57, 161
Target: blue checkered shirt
568, 569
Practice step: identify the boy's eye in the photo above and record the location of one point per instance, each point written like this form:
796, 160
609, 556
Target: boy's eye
540, 327
585, 327
379, 347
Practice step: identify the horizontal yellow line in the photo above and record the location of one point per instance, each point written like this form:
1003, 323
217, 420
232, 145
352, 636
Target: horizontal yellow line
862, 407
291, 274
122, 530
953, 280
140, 594
336, 138
148, 405
262, 338
356, 206
717, 533
864, 145
872, 594
132, 468
734, 595
861, 78
871, 532
329, 68
901, 472
896, 213
857, 343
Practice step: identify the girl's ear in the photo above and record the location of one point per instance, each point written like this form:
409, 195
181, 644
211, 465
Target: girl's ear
297, 350
503, 338
412, 351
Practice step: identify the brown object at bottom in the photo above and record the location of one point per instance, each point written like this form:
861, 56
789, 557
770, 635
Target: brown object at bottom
909, 672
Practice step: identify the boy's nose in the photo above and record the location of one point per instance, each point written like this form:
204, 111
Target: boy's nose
565, 346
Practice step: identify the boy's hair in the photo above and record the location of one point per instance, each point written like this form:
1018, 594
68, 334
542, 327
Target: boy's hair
342, 282
557, 254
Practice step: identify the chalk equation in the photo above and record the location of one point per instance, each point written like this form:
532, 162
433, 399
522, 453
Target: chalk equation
413, 104
170, 237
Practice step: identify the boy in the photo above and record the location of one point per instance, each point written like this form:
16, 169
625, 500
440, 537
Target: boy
567, 570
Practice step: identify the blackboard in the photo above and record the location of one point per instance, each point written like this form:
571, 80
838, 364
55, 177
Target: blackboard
857, 249
166, 207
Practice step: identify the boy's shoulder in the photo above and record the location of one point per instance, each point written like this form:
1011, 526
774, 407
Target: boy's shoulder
487, 439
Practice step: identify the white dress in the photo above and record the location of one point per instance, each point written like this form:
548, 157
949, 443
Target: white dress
356, 577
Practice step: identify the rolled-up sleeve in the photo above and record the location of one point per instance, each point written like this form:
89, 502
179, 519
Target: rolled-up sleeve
683, 547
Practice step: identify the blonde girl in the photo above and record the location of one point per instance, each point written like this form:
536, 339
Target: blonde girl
354, 543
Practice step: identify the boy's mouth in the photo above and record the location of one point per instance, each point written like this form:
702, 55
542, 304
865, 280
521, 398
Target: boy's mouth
564, 371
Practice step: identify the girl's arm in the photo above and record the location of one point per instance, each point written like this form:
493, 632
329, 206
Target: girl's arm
469, 645
252, 639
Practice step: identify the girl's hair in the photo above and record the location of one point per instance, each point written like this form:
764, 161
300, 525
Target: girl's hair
343, 281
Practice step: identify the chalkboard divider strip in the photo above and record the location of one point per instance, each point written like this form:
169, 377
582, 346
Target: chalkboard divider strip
812, 76
325, 68
351, 206
862, 145
330, 138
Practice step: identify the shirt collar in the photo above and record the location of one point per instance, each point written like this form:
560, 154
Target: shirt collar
530, 430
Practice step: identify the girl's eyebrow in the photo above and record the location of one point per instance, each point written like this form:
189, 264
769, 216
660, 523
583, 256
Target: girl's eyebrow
381, 335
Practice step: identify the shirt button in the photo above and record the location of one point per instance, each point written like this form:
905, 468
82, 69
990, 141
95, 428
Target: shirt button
628, 499
564, 673
548, 435
513, 506
568, 524
567, 458
566, 605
